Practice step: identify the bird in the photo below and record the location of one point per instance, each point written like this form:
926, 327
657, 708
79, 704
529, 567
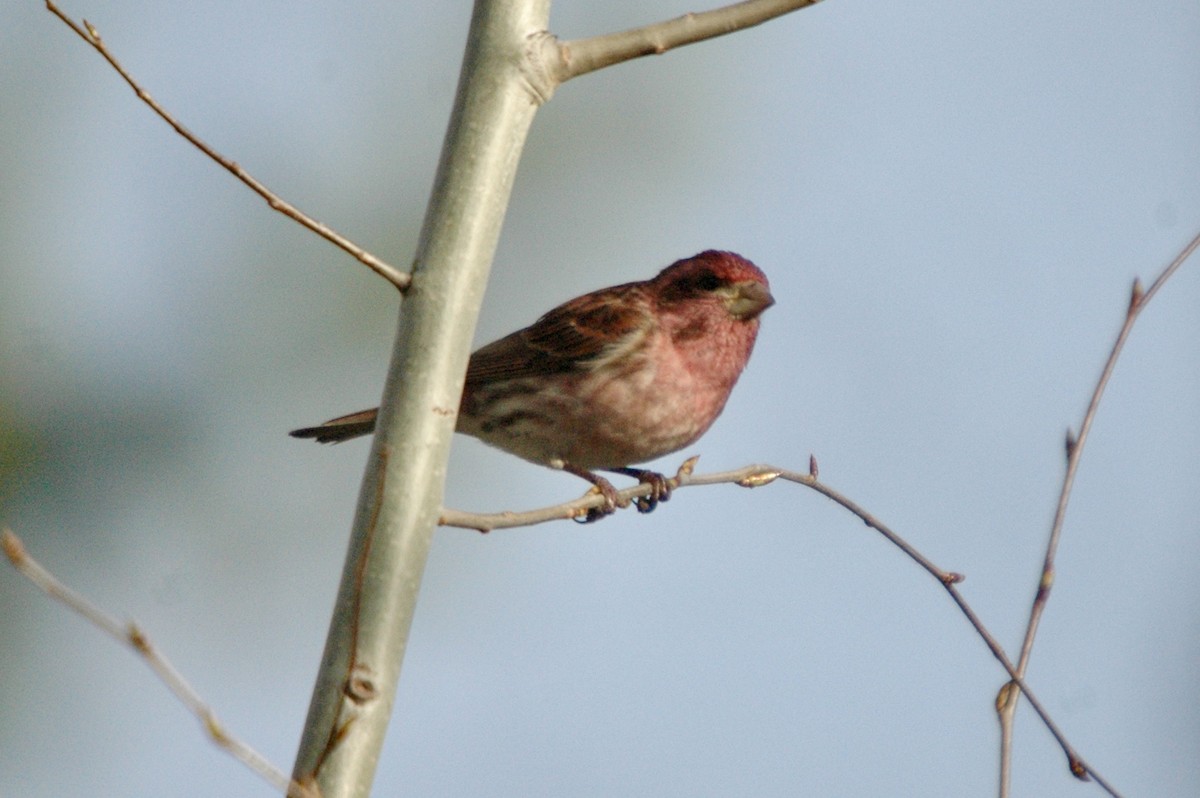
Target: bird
612, 378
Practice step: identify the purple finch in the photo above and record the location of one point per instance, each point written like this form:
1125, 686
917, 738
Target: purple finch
615, 377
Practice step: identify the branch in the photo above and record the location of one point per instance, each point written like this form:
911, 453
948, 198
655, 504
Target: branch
576, 510
89, 34
579, 56
131, 635
1007, 702
754, 476
401, 493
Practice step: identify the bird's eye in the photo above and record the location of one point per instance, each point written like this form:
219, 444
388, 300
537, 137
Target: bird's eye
708, 282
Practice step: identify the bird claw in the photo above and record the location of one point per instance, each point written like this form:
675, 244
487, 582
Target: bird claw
660, 487
660, 491
611, 501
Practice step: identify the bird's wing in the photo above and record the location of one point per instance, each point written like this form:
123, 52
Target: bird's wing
567, 338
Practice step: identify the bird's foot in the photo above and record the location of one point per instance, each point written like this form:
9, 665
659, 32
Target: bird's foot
602, 486
660, 487
660, 491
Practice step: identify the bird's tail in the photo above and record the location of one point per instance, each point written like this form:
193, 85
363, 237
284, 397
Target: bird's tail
342, 428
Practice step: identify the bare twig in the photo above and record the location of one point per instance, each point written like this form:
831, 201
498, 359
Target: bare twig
580, 56
578, 509
132, 635
759, 475
89, 34
1007, 701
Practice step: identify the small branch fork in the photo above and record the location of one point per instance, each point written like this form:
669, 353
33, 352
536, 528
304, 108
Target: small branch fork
131, 635
1006, 702
580, 56
89, 34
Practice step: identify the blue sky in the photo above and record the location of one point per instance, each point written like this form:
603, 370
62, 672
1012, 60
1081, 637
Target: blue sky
951, 201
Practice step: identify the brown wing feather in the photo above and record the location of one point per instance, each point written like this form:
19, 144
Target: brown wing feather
567, 337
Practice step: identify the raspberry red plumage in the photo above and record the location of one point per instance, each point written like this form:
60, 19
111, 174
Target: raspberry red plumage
615, 377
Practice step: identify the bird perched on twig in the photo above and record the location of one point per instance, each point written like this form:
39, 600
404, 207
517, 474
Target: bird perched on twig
612, 378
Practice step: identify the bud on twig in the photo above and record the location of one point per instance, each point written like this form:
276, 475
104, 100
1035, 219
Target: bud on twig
1135, 296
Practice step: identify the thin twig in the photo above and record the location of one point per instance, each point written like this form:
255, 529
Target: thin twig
1074, 448
579, 56
577, 509
756, 476
89, 34
131, 635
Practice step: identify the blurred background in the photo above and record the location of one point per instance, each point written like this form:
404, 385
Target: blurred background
951, 201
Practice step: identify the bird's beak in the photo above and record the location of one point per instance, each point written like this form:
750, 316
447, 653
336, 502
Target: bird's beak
748, 299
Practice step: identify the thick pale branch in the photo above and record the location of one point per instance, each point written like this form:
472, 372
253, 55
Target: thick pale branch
580, 56
89, 34
131, 635
401, 493
1074, 448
